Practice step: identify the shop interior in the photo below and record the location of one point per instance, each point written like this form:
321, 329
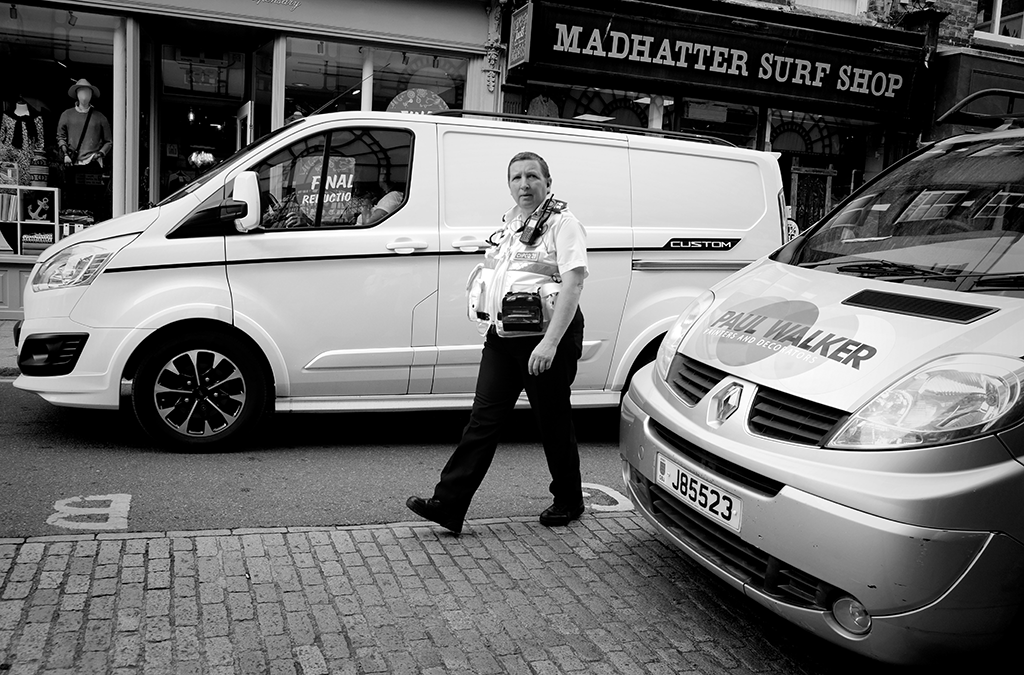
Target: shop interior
201, 87
43, 51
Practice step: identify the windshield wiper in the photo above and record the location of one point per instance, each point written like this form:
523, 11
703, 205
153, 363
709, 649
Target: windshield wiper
999, 280
893, 270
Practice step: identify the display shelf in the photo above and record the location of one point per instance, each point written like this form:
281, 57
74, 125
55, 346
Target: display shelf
29, 220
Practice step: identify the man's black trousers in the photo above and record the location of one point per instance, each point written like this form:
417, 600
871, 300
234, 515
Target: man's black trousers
503, 376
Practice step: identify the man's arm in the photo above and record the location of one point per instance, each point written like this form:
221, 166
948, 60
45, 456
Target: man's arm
565, 309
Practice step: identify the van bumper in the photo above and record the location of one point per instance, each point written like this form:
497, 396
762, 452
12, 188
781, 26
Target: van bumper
930, 592
72, 365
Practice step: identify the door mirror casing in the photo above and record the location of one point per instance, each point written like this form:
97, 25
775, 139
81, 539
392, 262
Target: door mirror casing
246, 189
216, 220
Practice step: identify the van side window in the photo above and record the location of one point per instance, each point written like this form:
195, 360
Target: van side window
289, 184
368, 176
344, 178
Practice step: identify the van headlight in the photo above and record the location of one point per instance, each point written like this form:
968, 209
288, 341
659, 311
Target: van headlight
77, 265
948, 400
674, 337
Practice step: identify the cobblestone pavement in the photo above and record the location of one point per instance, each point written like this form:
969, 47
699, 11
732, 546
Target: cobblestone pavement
602, 596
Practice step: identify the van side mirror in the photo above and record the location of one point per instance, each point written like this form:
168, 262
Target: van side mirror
211, 221
246, 189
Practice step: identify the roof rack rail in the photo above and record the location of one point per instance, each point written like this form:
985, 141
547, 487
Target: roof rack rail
586, 124
958, 115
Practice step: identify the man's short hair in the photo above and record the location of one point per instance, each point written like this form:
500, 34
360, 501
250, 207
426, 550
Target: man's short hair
523, 156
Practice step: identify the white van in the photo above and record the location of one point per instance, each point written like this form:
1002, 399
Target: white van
217, 307
837, 431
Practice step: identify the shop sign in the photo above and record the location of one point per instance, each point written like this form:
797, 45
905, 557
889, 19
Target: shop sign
519, 36
866, 74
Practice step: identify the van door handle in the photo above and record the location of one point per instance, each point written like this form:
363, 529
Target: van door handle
406, 245
470, 245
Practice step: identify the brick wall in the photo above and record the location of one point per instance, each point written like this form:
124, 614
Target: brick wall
958, 27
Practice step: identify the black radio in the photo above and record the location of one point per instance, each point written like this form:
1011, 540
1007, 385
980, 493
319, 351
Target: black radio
522, 312
536, 223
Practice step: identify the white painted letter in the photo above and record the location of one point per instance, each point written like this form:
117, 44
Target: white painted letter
641, 48
594, 47
619, 40
844, 78
739, 63
820, 70
568, 41
116, 514
719, 59
664, 56
895, 82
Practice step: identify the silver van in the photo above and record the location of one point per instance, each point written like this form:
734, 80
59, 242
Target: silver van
837, 431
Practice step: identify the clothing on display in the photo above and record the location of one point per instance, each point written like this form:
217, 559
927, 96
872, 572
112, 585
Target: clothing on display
22, 141
85, 140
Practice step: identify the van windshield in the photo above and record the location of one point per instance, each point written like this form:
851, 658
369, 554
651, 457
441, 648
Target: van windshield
951, 217
224, 164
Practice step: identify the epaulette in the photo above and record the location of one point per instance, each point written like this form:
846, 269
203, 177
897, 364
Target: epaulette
557, 205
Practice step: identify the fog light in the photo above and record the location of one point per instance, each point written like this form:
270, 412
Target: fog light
851, 615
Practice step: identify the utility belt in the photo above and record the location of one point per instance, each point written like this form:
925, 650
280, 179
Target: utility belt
524, 310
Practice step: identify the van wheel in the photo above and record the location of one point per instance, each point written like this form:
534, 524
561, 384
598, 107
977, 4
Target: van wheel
199, 392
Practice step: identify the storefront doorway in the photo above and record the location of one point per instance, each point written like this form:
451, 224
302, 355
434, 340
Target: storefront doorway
199, 99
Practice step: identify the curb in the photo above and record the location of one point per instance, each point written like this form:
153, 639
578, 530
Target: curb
9, 372
241, 531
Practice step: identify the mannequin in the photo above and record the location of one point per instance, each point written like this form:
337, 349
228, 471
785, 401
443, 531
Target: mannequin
84, 140
21, 137
80, 145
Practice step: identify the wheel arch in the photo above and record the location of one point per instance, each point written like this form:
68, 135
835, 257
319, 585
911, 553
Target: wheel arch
186, 327
646, 355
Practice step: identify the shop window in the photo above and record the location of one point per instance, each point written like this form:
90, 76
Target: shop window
318, 72
365, 179
1003, 19
843, 6
417, 83
321, 72
44, 51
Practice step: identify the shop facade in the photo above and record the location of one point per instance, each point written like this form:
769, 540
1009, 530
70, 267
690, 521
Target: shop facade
981, 47
838, 99
184, 86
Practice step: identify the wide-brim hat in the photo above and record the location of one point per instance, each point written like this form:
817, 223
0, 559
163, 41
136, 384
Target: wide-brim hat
73, 91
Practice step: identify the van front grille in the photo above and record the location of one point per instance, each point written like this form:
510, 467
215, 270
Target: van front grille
790, 418
734, 472
742, 561
692, 379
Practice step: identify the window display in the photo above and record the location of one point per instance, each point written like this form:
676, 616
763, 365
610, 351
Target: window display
53, 139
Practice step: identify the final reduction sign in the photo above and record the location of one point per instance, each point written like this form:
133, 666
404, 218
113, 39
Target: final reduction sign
341, 172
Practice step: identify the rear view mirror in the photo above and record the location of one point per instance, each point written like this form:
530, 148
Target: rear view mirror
247, 190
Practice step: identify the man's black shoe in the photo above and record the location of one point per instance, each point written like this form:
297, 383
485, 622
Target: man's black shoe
432, 510
555, 516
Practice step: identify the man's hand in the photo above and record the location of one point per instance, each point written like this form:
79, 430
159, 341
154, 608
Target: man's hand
541, 358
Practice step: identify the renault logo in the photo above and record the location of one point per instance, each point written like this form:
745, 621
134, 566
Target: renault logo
725, 403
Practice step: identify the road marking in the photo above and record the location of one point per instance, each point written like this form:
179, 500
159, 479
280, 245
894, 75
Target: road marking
116, 514
622, 502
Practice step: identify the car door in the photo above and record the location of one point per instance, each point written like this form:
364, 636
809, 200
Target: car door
346, 291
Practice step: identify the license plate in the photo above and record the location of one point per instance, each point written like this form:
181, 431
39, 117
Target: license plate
699, 494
